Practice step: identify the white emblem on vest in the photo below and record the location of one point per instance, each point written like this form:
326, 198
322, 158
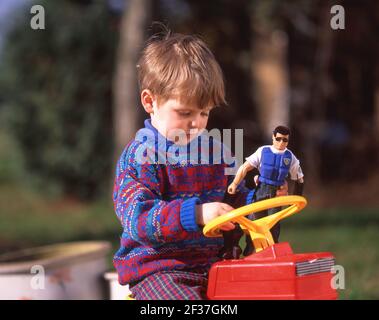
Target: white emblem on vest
286, 161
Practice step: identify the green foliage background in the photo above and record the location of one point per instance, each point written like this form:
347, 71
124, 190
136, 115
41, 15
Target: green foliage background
56, 141
55, 86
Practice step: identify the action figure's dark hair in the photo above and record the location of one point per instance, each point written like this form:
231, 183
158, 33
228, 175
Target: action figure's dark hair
282, 130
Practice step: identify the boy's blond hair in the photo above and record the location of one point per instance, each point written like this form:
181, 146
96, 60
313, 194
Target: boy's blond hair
182, 67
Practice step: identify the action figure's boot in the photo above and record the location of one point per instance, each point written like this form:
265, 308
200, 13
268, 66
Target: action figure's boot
249, 249
236, 252
231, 249
275, 231
233, 253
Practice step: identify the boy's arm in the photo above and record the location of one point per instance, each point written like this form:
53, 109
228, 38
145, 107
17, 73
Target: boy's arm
143, 214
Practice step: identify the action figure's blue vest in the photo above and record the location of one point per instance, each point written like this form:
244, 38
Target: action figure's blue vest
274, 167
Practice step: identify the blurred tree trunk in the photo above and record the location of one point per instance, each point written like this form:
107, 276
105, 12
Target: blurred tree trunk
376, 96
375, 12
320, 91
125, 85
270, 78
376, 124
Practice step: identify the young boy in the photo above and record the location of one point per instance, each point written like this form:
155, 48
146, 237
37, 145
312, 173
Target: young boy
162, 195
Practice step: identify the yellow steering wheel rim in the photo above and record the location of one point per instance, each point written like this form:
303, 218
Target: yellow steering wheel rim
259, 229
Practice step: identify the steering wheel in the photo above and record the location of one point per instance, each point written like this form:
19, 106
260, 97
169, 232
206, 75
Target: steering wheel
259, 229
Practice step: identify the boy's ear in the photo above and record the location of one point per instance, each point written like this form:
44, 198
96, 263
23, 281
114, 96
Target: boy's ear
147, 99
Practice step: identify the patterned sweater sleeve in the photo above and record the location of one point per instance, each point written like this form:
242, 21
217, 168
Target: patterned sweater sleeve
144, 216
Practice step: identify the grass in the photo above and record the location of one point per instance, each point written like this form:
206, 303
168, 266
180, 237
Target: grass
351, 234
29, 219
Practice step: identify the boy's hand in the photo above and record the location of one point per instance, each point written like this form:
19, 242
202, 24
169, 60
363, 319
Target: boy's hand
206, 212
283, 190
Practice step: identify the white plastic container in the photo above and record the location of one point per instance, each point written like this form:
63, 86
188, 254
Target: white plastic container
67, 271
116, 291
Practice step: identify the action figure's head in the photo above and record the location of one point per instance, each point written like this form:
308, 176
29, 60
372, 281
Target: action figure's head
280, 137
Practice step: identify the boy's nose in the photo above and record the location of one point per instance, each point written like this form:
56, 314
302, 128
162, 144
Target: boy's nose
195, 122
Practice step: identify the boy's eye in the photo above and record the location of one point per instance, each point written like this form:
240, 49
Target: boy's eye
184, 113
188, 113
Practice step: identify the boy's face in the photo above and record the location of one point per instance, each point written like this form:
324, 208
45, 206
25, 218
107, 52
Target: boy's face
172, 117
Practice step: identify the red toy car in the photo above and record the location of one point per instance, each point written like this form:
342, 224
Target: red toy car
274, 271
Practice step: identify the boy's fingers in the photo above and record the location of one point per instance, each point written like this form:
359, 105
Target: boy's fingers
282, 191
227, 207
227, 226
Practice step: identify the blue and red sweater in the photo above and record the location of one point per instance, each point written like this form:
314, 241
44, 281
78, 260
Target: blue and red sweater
155, 201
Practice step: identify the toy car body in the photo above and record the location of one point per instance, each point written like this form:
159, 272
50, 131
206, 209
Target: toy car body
274, 273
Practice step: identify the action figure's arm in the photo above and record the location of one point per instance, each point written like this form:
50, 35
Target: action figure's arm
297, 175
241, 174
299, 187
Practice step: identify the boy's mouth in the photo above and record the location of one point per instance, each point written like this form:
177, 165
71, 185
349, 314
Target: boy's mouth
188, 138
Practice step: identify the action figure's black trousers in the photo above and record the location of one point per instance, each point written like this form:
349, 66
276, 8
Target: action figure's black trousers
263, 191
231, 249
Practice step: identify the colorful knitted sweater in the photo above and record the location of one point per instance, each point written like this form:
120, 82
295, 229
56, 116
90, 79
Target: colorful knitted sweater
155, 193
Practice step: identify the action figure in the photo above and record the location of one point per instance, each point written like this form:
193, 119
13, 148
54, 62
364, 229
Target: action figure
274, 163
